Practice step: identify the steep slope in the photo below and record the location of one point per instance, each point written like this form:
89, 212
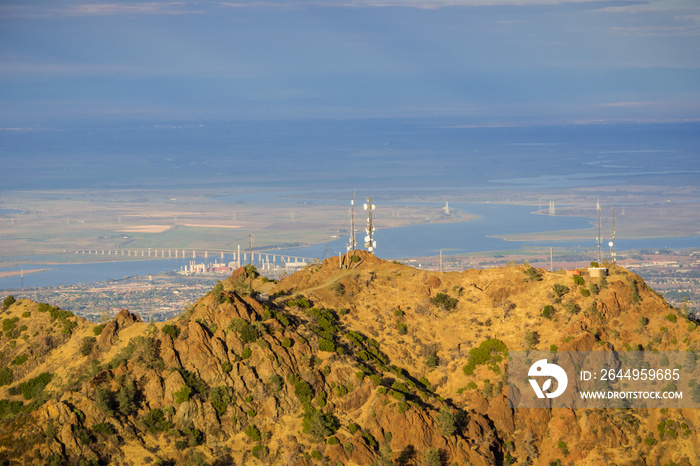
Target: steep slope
359, 362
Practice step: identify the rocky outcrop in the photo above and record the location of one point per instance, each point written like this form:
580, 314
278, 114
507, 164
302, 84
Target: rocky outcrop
110, 333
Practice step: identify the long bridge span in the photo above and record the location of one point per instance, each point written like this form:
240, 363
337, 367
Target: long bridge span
264, 258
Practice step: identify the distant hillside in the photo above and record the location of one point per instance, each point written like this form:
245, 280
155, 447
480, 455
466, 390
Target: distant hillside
358, 365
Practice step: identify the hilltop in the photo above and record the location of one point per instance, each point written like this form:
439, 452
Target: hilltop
360, 362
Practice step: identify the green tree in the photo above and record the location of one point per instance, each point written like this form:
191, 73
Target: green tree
126, 398
446, 422
319, 424
86, 345
8, 301
220, 398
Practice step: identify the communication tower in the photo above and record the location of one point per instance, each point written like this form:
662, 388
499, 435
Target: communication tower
370, 243
352, 242
613, 254
599, 238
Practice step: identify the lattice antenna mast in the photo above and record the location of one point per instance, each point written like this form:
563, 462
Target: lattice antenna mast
599, 239
370, 243
613, 254
353, 241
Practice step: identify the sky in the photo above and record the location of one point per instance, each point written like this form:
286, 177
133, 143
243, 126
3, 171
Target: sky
480, 61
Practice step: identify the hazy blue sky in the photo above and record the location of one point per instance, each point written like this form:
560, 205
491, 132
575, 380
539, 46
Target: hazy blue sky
487, 61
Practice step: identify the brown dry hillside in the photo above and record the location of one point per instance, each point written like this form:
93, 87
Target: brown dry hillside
354, 365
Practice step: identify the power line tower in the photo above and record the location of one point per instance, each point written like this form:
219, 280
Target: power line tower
613, 254
370, 243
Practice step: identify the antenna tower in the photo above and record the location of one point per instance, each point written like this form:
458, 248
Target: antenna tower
613, 254
599, 238
370, 244
250, 247
353, 242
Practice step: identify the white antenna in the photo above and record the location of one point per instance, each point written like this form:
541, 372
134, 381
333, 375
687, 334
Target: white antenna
352, 244
600, 238
370, 244
613, 254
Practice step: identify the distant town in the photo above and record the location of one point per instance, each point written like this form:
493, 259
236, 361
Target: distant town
674, 274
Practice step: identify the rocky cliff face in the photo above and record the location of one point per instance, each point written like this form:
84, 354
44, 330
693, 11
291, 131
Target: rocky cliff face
363, 364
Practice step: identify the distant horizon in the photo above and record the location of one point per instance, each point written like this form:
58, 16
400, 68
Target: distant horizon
513, 61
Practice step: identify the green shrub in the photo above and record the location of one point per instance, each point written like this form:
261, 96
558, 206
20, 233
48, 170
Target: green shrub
6, 376
531, 338
253, 432
319, 424
26, 314
246, 353
155, 421
403, 329
287, 342
171, 330
300, 301
444, 301
21, 359
97, 329
282, 319
217, 292
446, 422
532, 274
183, 394
9, 324
275, 382
8, 301
260, 452
547, 311
559, 291
226, 366
333, 440
578, 280
86, 345
326, 345
586, 293
671, 317
352, 427
104, 428
32, 388
303, 391
9, 409
490, 351
220, 398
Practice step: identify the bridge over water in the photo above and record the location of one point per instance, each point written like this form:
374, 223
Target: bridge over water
263, 258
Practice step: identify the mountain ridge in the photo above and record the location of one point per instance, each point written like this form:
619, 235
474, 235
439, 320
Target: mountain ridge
354, 360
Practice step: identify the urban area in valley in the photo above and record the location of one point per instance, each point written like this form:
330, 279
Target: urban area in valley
673, 273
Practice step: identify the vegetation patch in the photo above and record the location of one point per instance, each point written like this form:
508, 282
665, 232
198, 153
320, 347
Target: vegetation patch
444, 301
32, 388
490, 351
